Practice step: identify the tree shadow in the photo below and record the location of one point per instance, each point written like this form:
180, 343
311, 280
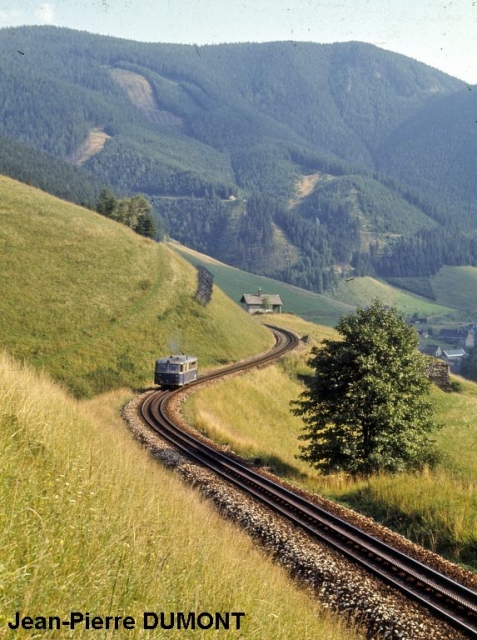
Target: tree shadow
276, 465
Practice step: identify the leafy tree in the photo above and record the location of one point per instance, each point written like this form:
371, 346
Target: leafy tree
133, 212
365, 409
133, 209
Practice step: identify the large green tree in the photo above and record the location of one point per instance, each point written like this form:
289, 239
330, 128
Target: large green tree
133, 212
367, 408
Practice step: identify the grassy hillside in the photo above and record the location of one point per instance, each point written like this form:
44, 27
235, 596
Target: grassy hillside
360, 291
235, 282
434, 508
453, 287
457, 287
89, 525
319, 308
95, 304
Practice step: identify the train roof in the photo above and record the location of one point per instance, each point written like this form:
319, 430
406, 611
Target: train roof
180, 359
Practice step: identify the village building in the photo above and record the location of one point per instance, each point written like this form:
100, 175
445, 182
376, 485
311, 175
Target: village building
433, 350
461, 337
261, 302
454, 358
451, 357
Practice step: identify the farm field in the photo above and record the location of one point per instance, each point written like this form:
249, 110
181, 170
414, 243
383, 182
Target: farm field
360, 290
457, 287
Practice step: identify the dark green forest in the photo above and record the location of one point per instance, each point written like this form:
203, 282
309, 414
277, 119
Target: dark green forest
218, 138
38, 169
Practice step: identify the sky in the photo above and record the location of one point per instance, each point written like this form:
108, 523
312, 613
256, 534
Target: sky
440, 33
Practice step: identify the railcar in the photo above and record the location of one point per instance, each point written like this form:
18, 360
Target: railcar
175, 371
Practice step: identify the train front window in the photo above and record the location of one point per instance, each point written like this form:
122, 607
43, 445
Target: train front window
168, 367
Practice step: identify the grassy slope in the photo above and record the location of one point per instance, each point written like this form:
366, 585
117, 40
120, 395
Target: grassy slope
435, 508
457, 287
360, 291
94, 303
313, 306
51, 326
319, 308
89, 524
451, 287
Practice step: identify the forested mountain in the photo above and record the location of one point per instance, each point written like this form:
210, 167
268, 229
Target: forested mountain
447, 131
297, 160
55, 176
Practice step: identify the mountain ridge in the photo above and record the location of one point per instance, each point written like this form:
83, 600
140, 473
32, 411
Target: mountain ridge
218, 127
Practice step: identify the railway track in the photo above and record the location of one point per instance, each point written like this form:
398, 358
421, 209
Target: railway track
444, 597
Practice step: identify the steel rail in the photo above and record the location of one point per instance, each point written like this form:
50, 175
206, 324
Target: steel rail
445, 597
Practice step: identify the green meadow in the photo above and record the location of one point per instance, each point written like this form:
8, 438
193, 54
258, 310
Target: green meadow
457, 287
327, 309
94, 304
235, 282
88, 521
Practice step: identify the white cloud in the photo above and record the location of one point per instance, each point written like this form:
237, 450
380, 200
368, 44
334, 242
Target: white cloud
46, 14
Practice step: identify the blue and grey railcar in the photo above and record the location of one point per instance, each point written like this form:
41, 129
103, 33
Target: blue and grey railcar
175, 371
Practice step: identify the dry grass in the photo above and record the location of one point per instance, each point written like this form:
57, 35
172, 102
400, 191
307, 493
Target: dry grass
434, 508
91, 523
437, 508
251, 413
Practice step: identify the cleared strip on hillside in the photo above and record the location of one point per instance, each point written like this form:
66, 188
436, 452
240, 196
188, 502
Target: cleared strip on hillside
141, 94
93, 144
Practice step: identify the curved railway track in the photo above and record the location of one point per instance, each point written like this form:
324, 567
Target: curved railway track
444, 597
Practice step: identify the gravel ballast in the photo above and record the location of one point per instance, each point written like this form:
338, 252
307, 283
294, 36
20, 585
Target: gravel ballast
336, 582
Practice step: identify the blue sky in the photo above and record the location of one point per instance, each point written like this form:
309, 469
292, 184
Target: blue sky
441, 33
